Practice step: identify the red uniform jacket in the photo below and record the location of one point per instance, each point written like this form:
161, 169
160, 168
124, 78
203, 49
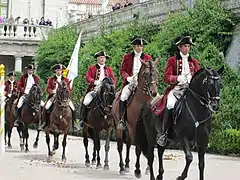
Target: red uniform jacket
8, 87
127, 65
51, 85
23, 81
93, 74
172, 70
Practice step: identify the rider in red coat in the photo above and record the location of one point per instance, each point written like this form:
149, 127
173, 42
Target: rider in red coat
10, 84
94, 77
131, 65
178, 73
51, 89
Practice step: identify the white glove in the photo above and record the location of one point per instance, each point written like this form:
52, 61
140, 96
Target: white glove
130, 79
54, 91
9, 95
97, 82
182, 79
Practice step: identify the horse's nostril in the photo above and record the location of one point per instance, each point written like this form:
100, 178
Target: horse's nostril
154, 94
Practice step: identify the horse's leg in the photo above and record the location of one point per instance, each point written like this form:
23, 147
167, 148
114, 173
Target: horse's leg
26, 136
98, 147
119, 135
64, 143
56, 143
35, 145
150, 160
137, 171
20, 133
94, 154
9, 137
85, 142
5, 133
107, 147
127, 160
160, 161
189, 157
48, 143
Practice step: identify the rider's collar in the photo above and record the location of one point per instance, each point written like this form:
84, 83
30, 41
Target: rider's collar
136, 54
184, 56
101, 66
29, 74
11, 81
98, 66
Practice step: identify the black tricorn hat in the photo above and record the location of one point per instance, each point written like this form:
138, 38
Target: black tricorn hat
101, 53
11, 74
59, 66
30, 66
138, 40
184, 40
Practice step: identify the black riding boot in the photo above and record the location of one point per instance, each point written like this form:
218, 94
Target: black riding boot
74, 125
162, 138
17, 116
122, 124
83, 115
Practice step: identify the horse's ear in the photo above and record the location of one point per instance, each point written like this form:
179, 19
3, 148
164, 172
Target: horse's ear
143, 62
221, 70
156, 61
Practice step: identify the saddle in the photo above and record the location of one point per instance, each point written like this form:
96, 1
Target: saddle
130, 98
178, 107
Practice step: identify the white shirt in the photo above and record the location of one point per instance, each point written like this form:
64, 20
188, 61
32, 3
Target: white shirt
185, 66
30, 82
136, 63
11, 85
102, 74
59, 79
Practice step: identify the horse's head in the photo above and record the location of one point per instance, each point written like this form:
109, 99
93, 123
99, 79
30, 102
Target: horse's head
209, 81
35, 95
62, 93
107, 91
148, 77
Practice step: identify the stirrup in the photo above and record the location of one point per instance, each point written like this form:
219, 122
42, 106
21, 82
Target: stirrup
121, 125
162, 140
16, 123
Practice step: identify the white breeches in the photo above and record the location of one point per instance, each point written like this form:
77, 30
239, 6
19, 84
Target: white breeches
126, 92
88, 98
171, 99
21, 100
49, 103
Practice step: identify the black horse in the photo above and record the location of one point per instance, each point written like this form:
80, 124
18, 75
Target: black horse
99, 118
191, 122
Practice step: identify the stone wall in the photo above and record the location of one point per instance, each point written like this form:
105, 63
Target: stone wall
154, 11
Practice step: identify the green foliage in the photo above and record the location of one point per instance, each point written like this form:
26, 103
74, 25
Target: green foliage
208, 23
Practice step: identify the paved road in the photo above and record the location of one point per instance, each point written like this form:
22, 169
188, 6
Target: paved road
16, 165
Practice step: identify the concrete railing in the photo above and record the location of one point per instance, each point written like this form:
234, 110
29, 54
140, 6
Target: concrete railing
154, 11
23, 32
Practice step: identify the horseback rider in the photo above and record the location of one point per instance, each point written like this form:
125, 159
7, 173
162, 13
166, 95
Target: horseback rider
178, 73
94, 77
10, 84
25, 83
51, 89
131, 65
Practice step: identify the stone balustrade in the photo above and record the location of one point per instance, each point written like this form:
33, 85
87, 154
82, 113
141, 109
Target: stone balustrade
23, 32
154, 11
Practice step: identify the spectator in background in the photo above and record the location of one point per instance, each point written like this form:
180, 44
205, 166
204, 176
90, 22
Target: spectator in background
26, 22
48, 22
17, 19
127, 3
90, 15
42, 21
1, 19
116, 6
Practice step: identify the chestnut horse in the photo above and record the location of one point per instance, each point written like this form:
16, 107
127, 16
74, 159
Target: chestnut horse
10, 116
30, 113
60, 119
145, 90
99, 118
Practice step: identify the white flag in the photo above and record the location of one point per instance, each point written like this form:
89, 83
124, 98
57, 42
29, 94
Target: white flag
73, 64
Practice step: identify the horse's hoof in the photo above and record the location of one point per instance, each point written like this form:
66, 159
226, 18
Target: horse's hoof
35, 145
93, 162
9, 146
127, 169
122, 172
147, 171
99, 166
22, 148
49, 159
159, 177
106, 167
137, 173
27, 151
180, 178
87, 164
53, 152
64, 159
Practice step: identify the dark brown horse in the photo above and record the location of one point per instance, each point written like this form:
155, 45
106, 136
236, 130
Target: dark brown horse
9, 115
191, 122
30, 114
60, 119
146, 88
99, 118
